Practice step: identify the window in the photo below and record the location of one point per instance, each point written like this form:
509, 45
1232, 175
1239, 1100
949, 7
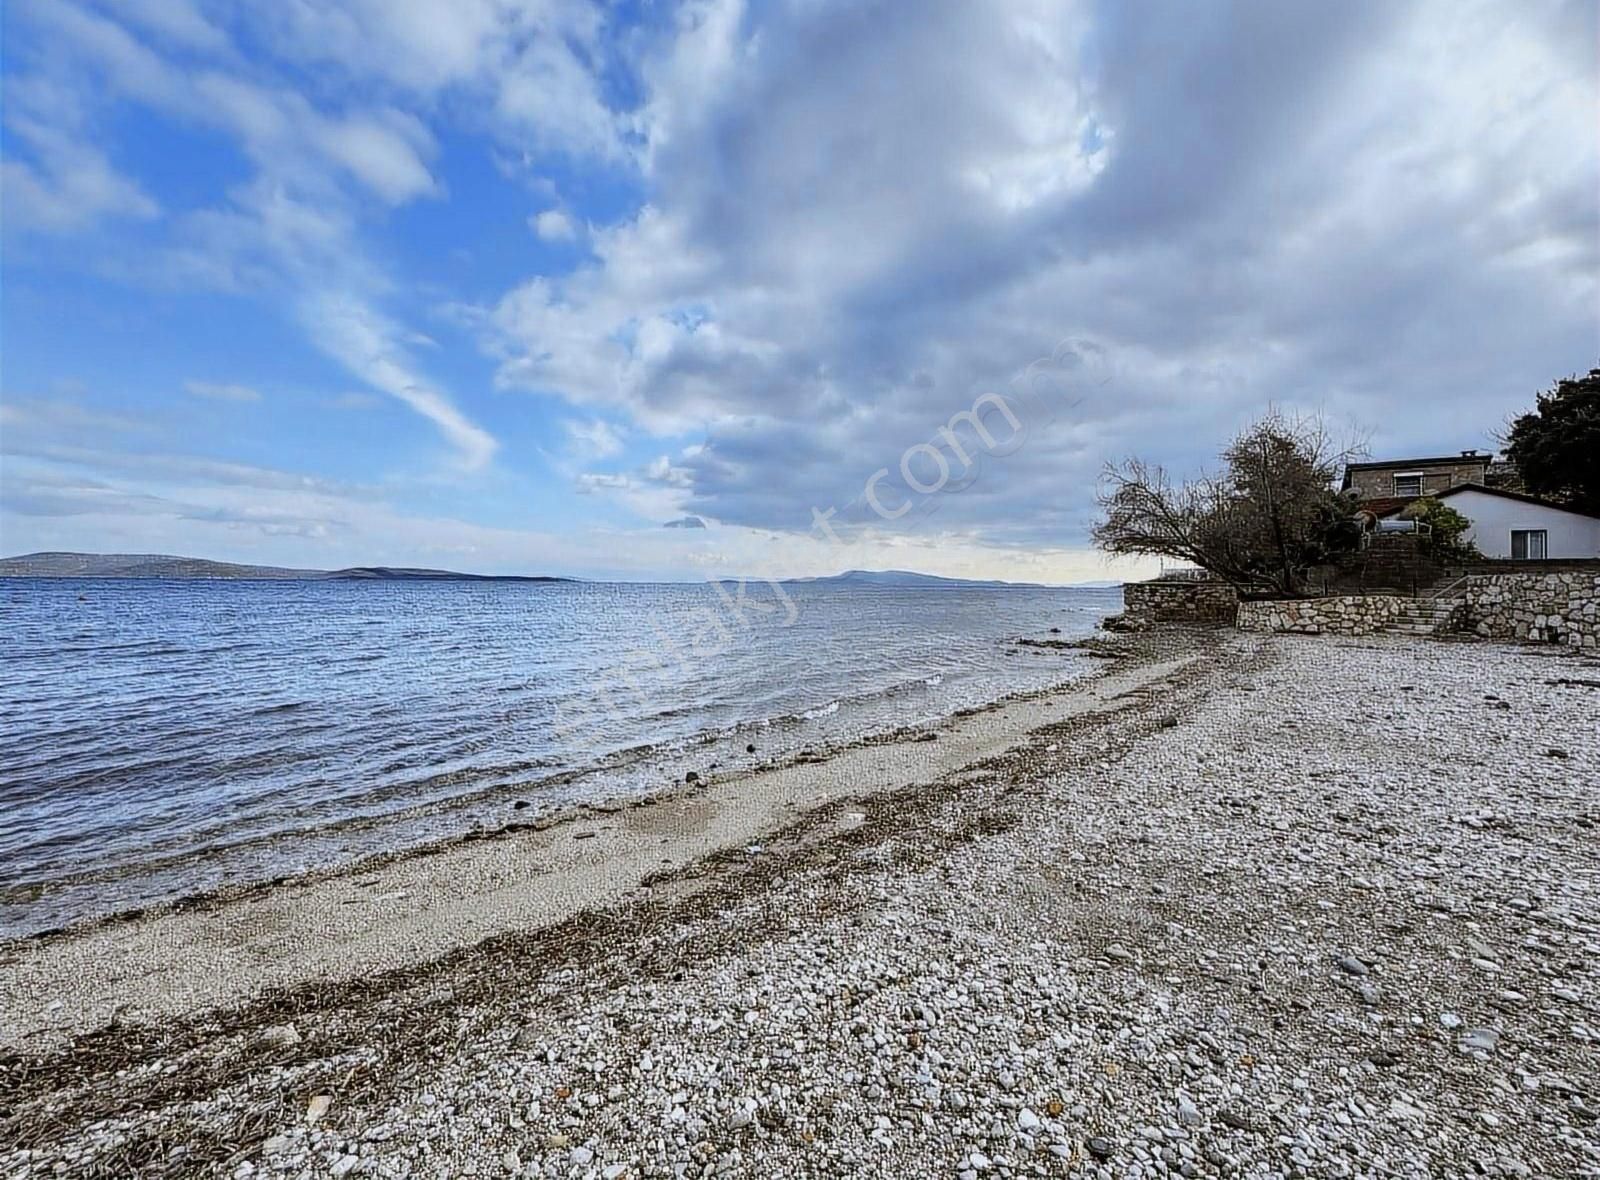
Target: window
1529, 544
1408, 485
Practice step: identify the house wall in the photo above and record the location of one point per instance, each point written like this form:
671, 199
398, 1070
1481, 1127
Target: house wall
1379, 482
1493, 518
1549, 608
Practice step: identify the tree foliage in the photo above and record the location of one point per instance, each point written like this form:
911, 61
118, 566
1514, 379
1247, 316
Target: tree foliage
1556, 446
1445, 527
1263, 523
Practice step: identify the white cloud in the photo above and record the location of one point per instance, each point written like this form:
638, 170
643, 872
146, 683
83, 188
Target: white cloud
288, 233
367, 344
70, 185
529, 68
75, 189
599, 481
222, 392
552, 225
592, 438
177, 21
1379, 212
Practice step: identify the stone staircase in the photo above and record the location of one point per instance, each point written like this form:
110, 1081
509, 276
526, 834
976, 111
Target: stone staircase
1426, 616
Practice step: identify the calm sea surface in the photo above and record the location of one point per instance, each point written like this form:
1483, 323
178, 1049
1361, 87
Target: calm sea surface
157, 738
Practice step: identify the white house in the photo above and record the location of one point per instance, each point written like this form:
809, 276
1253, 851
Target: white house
1510, 524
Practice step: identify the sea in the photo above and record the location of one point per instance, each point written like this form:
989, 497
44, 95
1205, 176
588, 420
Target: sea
160, 738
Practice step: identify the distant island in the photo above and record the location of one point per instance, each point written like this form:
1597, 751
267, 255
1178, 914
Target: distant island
161, 565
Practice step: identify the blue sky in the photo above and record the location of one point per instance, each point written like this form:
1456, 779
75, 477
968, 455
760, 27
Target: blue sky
639, 291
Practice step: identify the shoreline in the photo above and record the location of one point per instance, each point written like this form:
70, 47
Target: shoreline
233, 868
420, 903
1104, 649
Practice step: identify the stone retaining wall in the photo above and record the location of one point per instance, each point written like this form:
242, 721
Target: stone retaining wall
1560, 607
1178, 602
1349, 614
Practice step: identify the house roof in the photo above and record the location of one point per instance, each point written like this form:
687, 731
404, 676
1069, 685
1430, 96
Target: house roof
1384, 505
1372, 505
1436, 461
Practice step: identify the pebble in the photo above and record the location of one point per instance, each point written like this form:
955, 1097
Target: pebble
1482, 1039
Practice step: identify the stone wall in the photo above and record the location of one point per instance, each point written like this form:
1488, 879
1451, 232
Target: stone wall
1177, 602
1349, 614
1557, 607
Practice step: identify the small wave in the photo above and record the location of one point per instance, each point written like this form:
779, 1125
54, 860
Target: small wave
886, 692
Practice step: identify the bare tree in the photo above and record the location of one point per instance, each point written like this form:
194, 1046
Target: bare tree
1271, 515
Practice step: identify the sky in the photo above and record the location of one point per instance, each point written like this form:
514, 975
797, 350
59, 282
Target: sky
675, 290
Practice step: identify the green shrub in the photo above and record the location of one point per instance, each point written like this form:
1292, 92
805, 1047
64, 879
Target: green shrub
1446, 527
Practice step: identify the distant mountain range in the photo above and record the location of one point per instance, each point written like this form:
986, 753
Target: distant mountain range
161, 565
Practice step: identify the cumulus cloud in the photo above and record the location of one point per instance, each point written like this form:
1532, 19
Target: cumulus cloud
530, 70
1370, 208
552, 225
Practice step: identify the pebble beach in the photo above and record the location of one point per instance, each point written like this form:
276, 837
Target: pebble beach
1281, 907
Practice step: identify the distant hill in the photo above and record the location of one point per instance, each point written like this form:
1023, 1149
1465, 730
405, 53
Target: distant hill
908, 579
138, 565
161, 565
389, 573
